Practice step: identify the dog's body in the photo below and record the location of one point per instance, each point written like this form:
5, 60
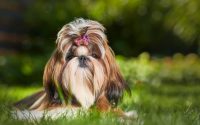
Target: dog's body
82, 71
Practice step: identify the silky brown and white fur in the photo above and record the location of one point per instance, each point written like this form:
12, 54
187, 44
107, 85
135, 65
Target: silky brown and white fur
79, 76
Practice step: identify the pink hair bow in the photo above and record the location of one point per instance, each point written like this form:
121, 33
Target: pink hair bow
82, 40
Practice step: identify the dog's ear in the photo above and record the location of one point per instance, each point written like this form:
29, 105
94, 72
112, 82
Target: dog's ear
53, 68
52, 71
116, 83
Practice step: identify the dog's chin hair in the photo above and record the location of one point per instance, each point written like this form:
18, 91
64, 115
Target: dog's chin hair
84, 83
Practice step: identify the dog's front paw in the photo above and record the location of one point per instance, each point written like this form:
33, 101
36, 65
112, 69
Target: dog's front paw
131, 114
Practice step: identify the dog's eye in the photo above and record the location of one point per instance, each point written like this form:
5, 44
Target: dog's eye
95, 55
69, 57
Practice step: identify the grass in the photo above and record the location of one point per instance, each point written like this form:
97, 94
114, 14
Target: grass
159, 104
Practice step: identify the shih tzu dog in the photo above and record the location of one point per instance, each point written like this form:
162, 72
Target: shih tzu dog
82, 72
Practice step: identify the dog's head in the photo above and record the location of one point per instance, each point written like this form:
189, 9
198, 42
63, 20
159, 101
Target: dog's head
83, 64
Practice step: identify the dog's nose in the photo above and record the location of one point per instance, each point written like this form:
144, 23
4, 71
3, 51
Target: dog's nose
82, 61
82, 58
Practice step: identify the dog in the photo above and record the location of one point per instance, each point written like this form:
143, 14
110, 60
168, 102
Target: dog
82, 72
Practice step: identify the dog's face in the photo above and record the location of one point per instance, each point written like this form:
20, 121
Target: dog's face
84, 73
83, 64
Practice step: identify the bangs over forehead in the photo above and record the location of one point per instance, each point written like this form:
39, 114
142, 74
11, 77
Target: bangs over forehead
93, 29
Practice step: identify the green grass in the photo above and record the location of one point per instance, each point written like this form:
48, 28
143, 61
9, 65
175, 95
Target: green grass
165, 104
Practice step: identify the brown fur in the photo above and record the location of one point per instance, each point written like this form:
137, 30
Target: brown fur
106, 94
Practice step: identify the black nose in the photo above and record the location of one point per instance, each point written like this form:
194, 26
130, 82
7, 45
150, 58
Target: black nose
82, 58
82, 61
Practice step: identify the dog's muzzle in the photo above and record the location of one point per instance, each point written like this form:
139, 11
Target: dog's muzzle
82, 61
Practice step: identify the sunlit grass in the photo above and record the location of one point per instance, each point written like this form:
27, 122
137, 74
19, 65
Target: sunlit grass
165, 104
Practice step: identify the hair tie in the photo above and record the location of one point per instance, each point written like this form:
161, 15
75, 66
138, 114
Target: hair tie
82, 40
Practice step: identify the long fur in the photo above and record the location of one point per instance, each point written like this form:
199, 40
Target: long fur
100, 83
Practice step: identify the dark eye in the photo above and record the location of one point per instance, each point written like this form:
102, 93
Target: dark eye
95, 55
69, 57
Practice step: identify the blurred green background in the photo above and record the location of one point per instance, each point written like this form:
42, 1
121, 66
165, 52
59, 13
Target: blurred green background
167, 31
160, 39
157, 43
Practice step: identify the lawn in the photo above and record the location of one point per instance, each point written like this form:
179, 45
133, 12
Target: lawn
159, 104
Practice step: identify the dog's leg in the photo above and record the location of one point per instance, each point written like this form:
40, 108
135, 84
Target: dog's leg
28, 101
104, 105
35, 101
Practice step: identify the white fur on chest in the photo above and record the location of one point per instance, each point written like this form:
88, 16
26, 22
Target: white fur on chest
76, 81
81, 91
